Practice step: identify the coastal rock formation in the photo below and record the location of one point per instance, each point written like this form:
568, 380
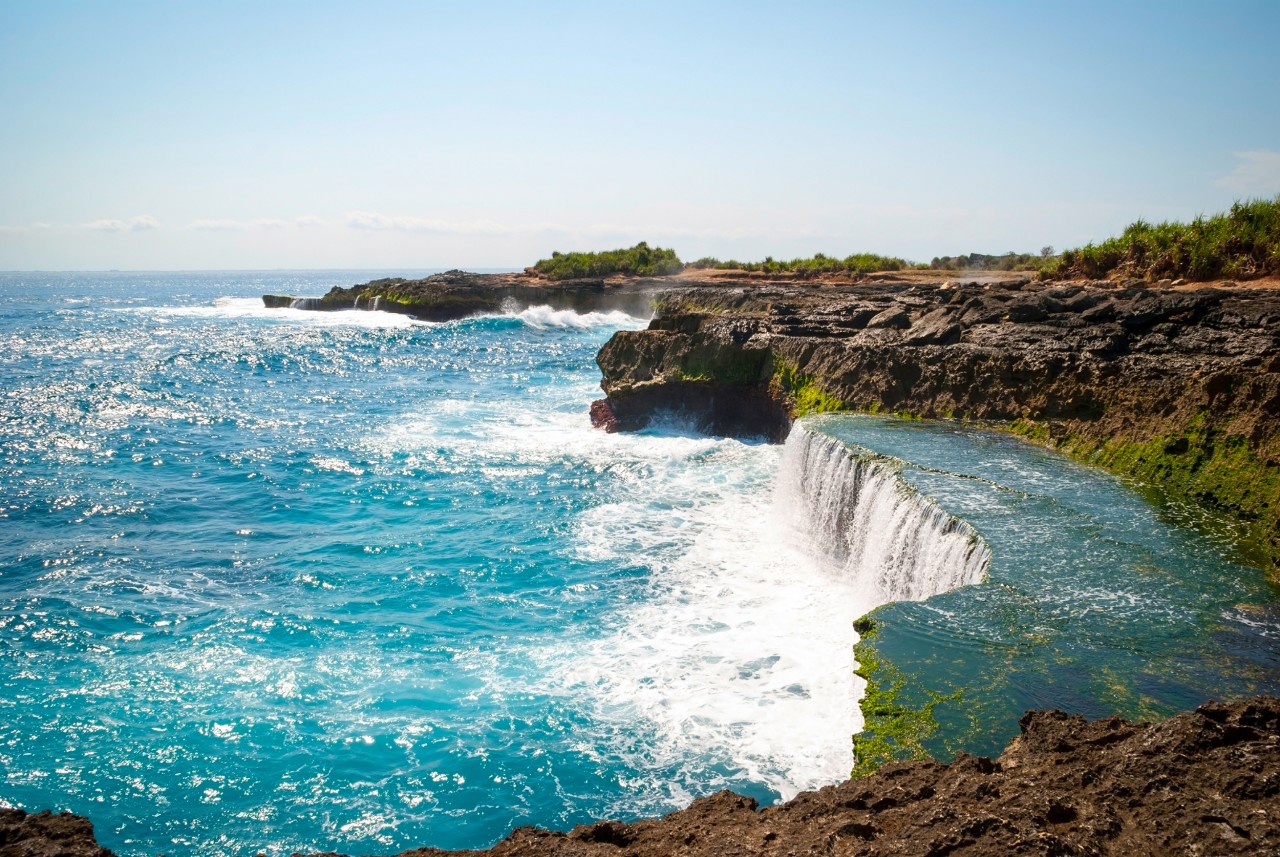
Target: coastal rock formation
47, 834
1205, 782
458, 294
1180, 388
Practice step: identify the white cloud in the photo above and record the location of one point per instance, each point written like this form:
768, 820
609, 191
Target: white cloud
380, 222
141, 223
1257, 173
308, 221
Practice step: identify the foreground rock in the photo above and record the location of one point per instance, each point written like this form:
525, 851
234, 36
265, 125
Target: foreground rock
47, 834
1178, 388
1206, 782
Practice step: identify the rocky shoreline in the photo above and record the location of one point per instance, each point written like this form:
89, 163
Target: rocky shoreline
1205, 782
1177, 388
457, 294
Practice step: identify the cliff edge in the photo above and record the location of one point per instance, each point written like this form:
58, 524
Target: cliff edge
1178, 388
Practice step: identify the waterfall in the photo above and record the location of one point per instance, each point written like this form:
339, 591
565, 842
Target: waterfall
854, 510
305, 303
377, 303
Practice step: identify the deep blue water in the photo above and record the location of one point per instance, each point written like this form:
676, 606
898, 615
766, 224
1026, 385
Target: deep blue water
277, 580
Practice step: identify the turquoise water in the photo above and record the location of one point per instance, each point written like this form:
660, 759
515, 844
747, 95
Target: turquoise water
276, 580
1095, 601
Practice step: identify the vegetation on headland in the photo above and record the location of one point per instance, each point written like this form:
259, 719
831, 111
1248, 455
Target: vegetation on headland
640, 260
818, 263
1243, 243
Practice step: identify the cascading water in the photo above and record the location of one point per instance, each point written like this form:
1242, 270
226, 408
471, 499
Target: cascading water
853, 509
1095, 602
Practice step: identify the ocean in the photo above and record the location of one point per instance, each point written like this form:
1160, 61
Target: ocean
278, 580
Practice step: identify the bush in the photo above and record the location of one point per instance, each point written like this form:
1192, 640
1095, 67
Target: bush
640, 260
818, 263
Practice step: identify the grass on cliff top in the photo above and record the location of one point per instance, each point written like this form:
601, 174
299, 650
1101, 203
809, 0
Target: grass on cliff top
818, 263
640, 260
1243, 243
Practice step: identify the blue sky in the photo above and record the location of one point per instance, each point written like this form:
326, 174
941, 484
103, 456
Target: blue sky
249, 135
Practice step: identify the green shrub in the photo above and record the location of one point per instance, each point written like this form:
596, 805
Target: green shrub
818, 263
640, 260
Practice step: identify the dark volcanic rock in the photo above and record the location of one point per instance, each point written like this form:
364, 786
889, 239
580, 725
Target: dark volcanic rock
458, 294
602, 416
1114, 376
46, 834
1205, 782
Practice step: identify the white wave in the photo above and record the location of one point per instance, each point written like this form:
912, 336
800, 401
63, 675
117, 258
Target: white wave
742, 653
738, 658
242, 308
736, 662
544, 316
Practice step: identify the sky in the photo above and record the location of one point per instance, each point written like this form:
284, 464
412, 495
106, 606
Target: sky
228, 135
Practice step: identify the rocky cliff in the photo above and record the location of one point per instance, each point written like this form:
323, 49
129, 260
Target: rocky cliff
1205, 782
1178, 388
458, 294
